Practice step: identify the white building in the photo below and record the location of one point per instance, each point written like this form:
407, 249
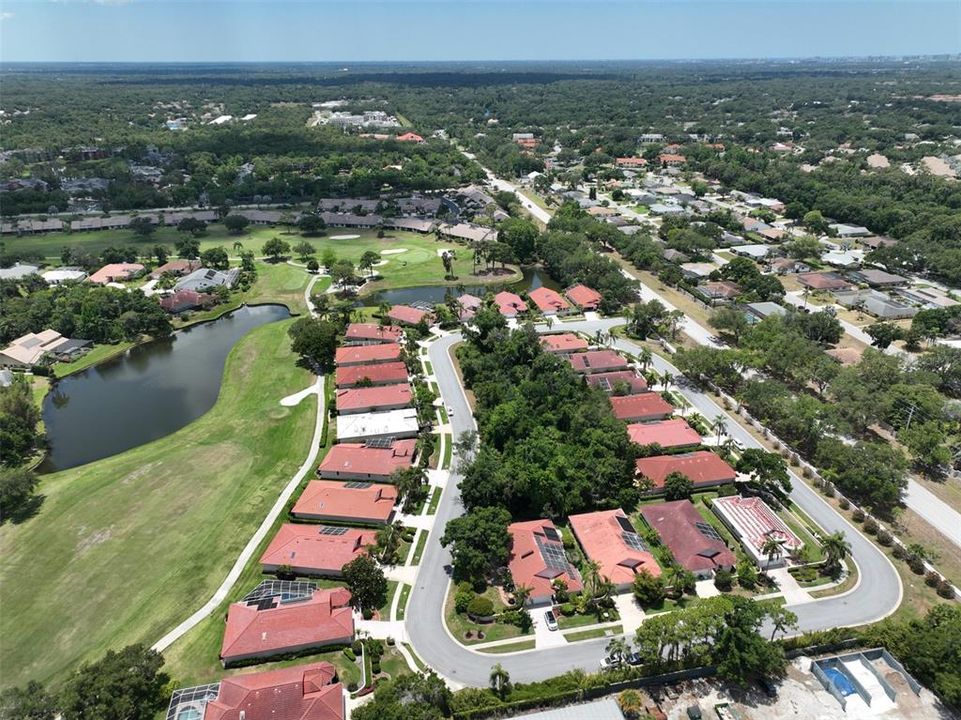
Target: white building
370, 426
753, 524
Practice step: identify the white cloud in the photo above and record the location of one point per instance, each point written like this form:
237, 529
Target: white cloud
5, 16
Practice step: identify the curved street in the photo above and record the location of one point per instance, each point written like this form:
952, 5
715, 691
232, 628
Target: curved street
876, 595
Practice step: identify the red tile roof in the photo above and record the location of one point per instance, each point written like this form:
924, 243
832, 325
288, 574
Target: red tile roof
410, 137
176, 267
381, 374
671, 159
374, 462
666, 433
528, 564
332, 500
510, 304
584, 297
373, 332
114, 272
185, 300
754, 522
256, 631
367, 354
302, 692
597, 361
823, 281
548, 301
372, 399
308, 551
407, 315
608, 381
630, 161
563, 343
603, 540
646, 406
702, 468
676, 524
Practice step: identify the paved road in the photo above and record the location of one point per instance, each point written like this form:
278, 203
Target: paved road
934, 510
877, 594
536, 211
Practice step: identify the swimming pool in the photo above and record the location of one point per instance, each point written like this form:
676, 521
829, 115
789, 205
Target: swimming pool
840, 680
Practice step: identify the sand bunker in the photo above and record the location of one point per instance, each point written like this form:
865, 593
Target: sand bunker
344, 237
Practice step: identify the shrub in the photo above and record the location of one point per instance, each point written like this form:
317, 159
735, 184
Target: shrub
349, 654
391, 642
916, 564
479, 585
352, 686
858, 515
885, 538
945, 590
567, 609
375, 667
723, 579
932, 578
870, 526
844, 503
806, 473
356, 646
462, 600
899, 552
480, 606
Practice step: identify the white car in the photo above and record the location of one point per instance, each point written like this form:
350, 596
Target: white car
450, 411
610, 662
550, 620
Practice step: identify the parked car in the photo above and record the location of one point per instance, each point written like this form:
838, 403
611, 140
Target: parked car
633, 659
550, 620
608, 663
450, 411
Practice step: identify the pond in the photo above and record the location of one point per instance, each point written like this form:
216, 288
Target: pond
433, 294
150, 391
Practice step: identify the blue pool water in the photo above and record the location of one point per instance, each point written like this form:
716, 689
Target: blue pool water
840, 680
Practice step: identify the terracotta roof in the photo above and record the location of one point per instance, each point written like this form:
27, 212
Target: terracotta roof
469, 305
407, 315
605, 539
754, 522
630, 161
720, 289
563, 343
535, 542
372, 331
31, 348
676, 523
701, 468
115, 271
510, 304
646, 406
367, 354
671, 158
266, 628
666, 433
597, 360
584, 297
380, 374
360, 459
823, 281
608, 381
303, 692
176, 267
410, 137
548, 301
333, 500
371, 399
308, 549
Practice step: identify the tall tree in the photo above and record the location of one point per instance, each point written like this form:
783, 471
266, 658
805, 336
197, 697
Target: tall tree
128, 684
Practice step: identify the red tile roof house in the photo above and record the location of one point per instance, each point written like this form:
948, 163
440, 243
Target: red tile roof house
671, 159
303, 692
361, 461
609, 382
549, 302
720, 291
630, 162
407, 315
268, 627
538, 559
702, 468
597, 361
367, 354
315, 550
510, 304
641, 408
608, 538
373, 399
410, 137
116, 272
359, 503
176, 268
694, 544
753, 522
823, 281
469, 305
668, 434
186, 300
563, 343
382, 374
584, 297
371, 334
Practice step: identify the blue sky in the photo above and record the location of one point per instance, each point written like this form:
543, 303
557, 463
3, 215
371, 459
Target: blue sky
284, 30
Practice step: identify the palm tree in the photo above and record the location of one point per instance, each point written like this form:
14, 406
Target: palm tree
771, 547
521, 594
388, 542
591, 573
549, 321
667, 378
836, 548
719, 426
618, 648
631, 703
644, 355
781, 619
500, 681
238, 246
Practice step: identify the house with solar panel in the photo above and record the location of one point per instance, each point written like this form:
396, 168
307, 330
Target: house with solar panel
538, 560
315, 550
610, 539
694, 543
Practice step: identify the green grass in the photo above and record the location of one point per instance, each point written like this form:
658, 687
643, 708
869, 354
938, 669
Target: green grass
97, 354
421, 665
125, 548
460, 624
574, 621
509, 647
428, 367
434, 501
448, 450
402, 601
594, 633
393, 663
419, 547
799, 529
384, 609
442, 411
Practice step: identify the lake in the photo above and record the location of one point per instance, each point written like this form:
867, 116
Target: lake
433, 294
148, 392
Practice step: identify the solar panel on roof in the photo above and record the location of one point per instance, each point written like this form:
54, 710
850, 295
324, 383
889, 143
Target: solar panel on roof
332, 530
625, 524
552, 534
707, 531
553, 555
285, 589
266, 603
379, 443
633, 541
357, 485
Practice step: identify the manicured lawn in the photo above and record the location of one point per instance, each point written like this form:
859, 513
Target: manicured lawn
428, 368
417, 661
448, 450
799, 529
460, 624
393, 663
99, 353
509, 647
419, 547
594, 633
402, 601
565, 623
434, 501
125, 548
384, 609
